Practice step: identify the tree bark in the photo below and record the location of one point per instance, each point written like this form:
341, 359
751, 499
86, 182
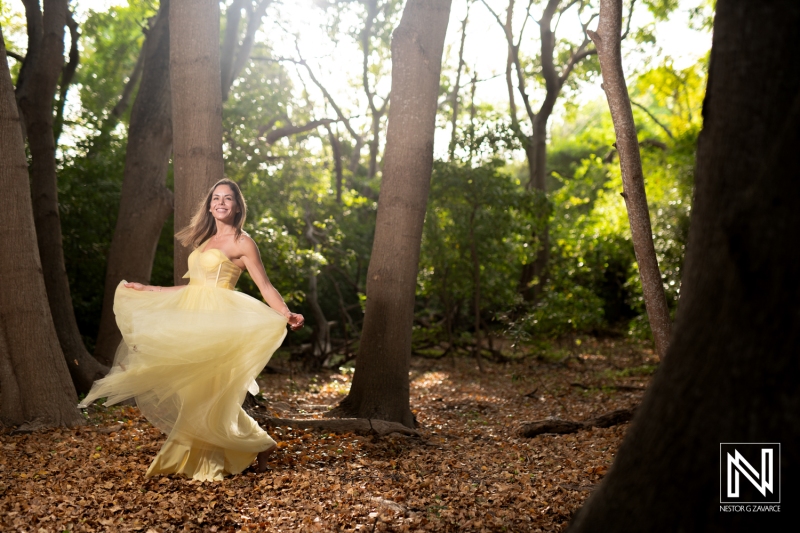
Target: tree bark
145, 202
732, 369
196, 110
35, 386
35, 99
607, 42
380, 386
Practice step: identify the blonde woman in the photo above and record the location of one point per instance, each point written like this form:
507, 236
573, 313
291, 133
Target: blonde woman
190, 353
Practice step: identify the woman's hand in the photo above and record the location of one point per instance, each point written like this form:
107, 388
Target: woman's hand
136, 286
296, 320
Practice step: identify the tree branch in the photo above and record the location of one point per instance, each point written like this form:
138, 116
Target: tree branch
286, 131
15, 55
243, 52
127, 91
67, 73
628, 24
551, 78
654, 119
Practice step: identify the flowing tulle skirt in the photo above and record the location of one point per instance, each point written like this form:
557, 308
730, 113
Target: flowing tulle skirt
189, 357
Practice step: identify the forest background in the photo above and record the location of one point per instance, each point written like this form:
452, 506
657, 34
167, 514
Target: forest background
304, 128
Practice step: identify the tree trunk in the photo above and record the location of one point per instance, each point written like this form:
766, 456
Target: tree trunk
146, 202
196, 110
35, 99
607, 42
476, 286
380, 386
732, 369
534, 274
35, 386
321, 335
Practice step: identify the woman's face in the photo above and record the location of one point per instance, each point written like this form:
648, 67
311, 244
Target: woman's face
223, 204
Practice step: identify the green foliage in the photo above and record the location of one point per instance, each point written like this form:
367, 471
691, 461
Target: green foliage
12, 20
110, 43
88, 194
475, 231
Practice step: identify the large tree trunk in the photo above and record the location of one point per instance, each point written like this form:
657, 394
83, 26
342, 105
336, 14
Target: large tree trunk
146, 202
196, 110
607, 42
35, 385
380, 386
35, 97
732, 370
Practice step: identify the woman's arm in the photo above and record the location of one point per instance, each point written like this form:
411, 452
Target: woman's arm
152, 288
253, 264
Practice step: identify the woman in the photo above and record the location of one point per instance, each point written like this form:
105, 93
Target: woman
190, 353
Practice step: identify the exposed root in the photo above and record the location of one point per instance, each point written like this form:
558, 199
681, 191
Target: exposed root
344, 425
556, 425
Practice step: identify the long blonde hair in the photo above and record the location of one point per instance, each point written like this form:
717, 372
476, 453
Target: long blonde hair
203, 225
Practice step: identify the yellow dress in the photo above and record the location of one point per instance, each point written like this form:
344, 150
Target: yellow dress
189, 357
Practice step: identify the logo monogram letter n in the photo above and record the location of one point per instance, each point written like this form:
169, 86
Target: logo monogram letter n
737, 464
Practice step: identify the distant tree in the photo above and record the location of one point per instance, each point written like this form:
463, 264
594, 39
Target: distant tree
554, 63
196, 109
145, 202
35, 92
35, 386
380, 386
607, 43
236, 48
732, 369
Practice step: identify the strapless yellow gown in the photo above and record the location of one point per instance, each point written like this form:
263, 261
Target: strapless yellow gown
189, 357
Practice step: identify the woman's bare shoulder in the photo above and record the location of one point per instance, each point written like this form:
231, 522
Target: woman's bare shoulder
246, 243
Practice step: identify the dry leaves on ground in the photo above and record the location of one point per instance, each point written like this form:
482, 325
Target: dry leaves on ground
470, 471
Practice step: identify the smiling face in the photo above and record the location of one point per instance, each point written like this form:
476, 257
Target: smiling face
223, 206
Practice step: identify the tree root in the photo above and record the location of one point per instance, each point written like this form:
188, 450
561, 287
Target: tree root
561, 427
344, 425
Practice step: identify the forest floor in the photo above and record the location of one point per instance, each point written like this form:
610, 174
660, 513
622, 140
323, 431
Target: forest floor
469, 471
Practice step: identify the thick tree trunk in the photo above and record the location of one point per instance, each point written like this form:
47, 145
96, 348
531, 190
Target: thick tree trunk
146, 202
732, 370
607, 42
196, 110
380, 386
35, 98
35, 386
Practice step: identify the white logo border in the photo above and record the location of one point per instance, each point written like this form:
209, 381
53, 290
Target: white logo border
778, 468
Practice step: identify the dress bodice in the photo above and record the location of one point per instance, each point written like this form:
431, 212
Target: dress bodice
212, 268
